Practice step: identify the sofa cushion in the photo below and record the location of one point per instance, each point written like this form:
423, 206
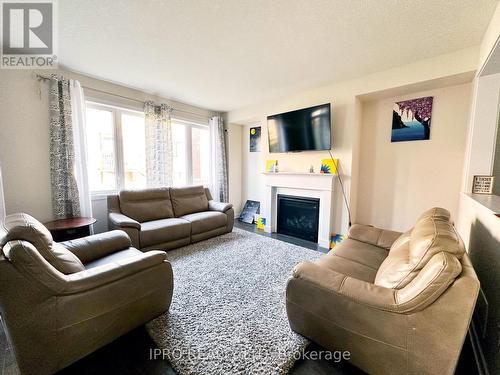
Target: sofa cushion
63, 260
410, 253
98, 245
205, 221
188, 200
147, 204
436, 212
111, 258
440, 272
164, 230
431, 236
26, 228
396, 266
347, 267
360, 252
373, 235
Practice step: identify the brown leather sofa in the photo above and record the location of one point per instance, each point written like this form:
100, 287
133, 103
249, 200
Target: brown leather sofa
400, 303
166, 218
61, 301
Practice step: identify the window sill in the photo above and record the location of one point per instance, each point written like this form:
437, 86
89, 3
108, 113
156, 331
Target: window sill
489, 201
101, 196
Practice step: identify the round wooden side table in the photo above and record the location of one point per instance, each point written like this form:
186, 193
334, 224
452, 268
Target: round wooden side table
69, 229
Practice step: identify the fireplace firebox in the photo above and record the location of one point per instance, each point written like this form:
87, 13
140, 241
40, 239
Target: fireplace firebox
298, 217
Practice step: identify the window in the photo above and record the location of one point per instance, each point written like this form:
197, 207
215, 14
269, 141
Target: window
101, 149
116, 148
200, 151
191, 149
134, 151
179, 146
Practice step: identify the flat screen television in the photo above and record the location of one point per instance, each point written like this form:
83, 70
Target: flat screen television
305, 129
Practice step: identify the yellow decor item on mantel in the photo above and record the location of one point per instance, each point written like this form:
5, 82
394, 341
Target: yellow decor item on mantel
271, 166
329, 166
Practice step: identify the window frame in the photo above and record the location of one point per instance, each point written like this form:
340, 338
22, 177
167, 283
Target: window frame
119, 161
188, 133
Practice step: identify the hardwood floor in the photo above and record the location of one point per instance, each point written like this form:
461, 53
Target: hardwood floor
130, 354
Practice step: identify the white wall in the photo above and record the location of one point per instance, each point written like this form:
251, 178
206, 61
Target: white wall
24, 137
476, 223
483, 129
398, 181
455, 67
234, 156
482, 134
252, 180
24, 144
2, 201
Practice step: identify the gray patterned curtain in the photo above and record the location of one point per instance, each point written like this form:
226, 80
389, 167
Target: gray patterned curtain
159, 149
65, 198
219, 182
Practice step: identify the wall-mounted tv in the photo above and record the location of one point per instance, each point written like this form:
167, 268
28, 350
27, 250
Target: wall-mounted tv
305, 129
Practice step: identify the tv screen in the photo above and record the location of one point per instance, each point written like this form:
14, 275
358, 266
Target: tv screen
305, 129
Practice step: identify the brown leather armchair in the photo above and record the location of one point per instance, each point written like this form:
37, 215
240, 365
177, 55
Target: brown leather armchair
61, 301
401, 303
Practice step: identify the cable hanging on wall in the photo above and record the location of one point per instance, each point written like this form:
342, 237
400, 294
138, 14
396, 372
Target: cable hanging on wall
339, 175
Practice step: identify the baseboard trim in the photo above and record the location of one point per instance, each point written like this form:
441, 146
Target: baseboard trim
482, 367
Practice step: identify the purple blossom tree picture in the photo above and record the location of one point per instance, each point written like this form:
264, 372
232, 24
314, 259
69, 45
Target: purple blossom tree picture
411, 120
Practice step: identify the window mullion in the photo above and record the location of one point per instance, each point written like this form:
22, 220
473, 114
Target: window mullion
120, 168
189, 155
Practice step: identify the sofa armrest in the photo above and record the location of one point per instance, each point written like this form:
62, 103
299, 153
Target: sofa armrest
119, 220
108, 273
430, 283
374, 236
98, 245
338, 284
30, 262
219, 206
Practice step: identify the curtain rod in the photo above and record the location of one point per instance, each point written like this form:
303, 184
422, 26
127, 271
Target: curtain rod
41, 77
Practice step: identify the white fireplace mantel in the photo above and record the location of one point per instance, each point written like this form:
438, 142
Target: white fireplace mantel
309, 185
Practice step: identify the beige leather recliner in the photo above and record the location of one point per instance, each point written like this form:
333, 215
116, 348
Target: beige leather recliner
61, 301
400, 303
167, 218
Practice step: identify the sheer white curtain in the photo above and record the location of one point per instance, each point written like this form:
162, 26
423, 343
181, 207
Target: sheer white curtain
159, 149
218, 178
2, 201
80, 145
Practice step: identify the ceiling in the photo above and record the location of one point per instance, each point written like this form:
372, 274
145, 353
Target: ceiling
226, 54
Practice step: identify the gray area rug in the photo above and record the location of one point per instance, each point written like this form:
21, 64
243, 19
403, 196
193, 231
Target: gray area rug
228, 311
